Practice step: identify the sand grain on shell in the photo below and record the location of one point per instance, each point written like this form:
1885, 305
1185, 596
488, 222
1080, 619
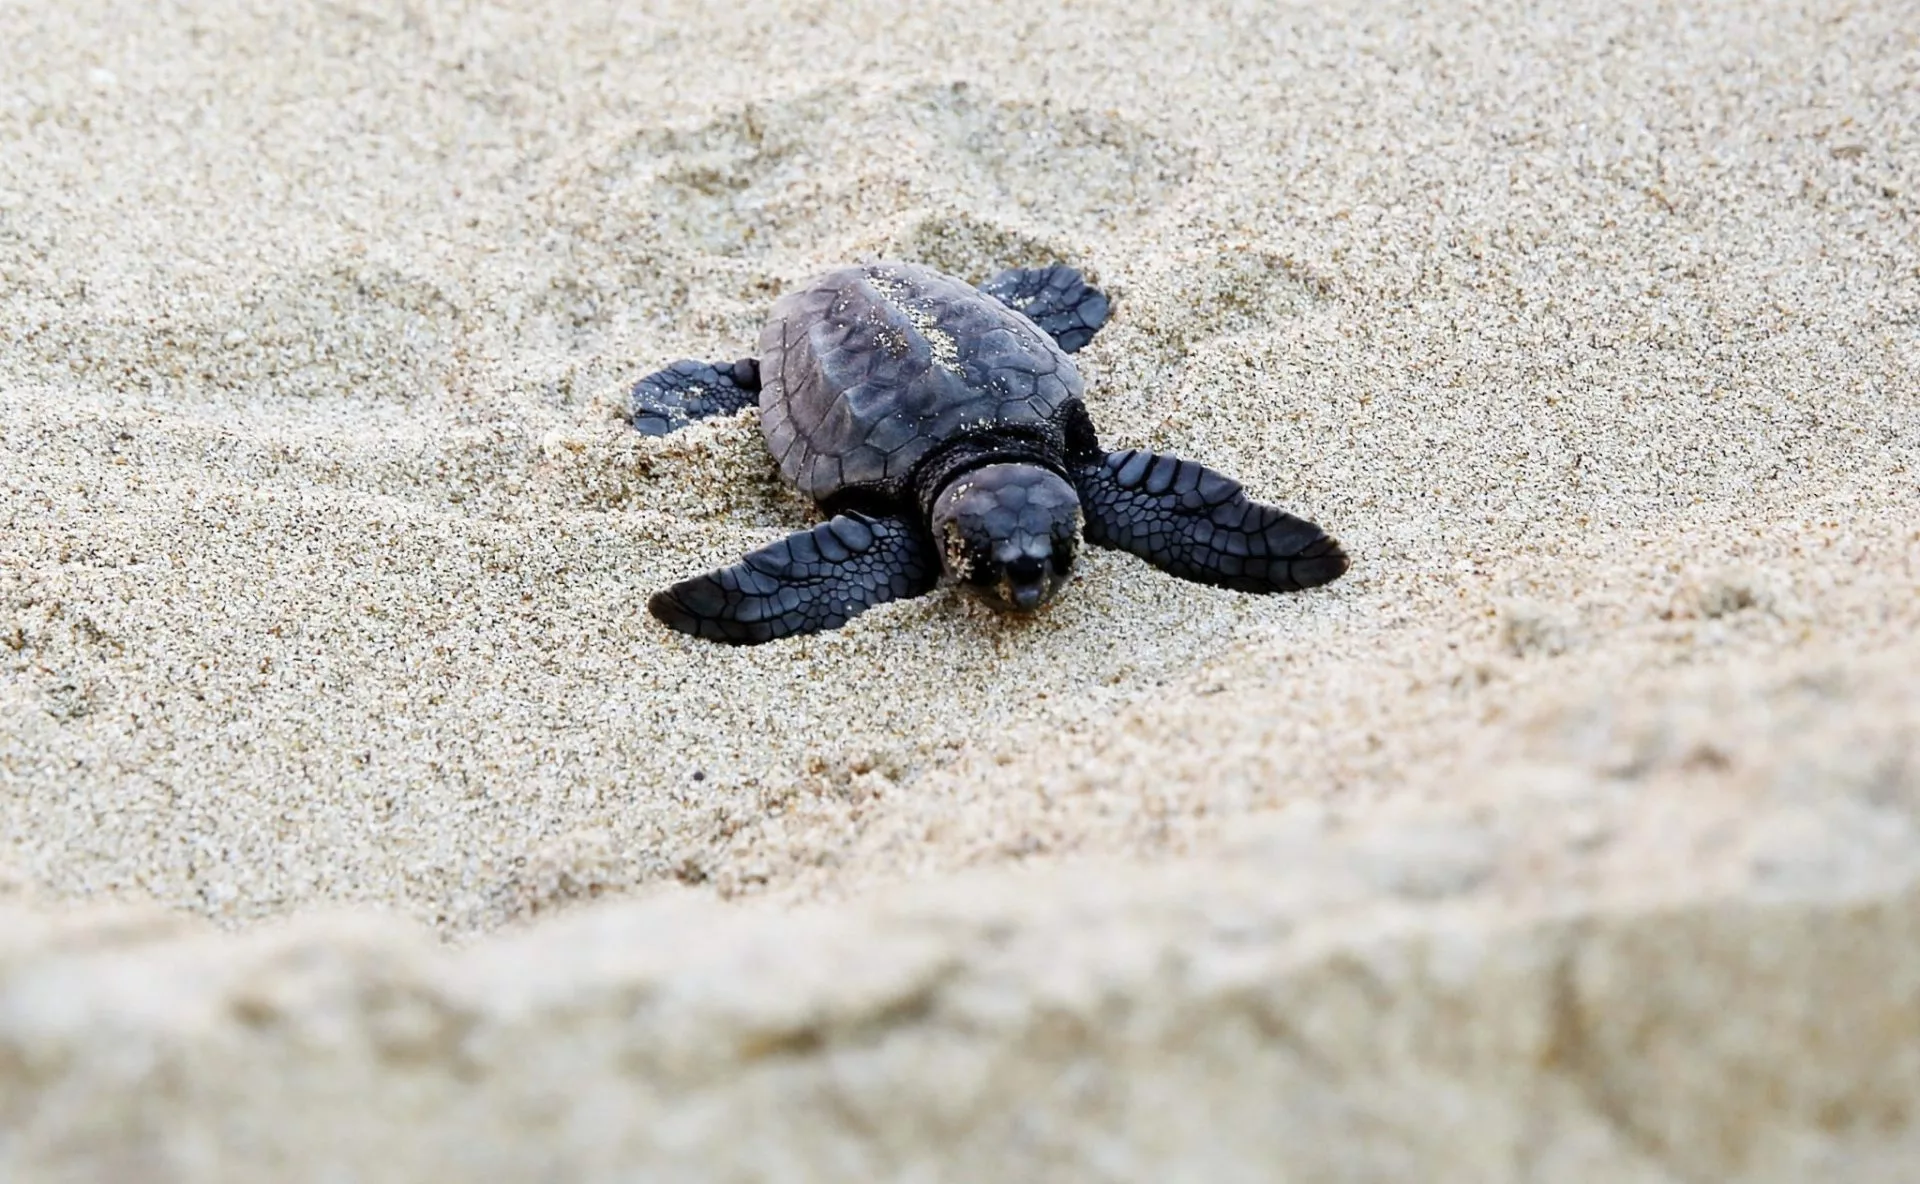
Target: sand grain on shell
322, 557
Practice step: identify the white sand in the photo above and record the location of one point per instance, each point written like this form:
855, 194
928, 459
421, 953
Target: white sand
1592, 329
322, 553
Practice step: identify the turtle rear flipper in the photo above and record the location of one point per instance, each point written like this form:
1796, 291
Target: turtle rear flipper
809, 581
1195, 523
668, 400
1057, 298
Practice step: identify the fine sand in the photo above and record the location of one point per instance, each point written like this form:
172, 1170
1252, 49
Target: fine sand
1535, 848
1592, 330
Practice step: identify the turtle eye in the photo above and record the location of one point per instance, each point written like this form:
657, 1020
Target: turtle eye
983, 571
1062, 557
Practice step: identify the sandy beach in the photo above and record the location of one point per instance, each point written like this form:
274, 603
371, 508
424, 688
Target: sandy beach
1593, 332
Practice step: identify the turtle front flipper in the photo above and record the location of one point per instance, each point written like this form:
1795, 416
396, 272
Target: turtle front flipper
1195, 523
668, 400
809, 581
1056, 298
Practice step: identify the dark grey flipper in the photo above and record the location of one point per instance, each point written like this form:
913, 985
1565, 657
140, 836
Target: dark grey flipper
1194, 523
1055, 298
670, 399
811, 580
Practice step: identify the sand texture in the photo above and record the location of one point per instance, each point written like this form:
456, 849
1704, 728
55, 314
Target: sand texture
356, 821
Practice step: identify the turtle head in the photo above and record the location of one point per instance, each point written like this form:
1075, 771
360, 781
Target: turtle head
1008, 532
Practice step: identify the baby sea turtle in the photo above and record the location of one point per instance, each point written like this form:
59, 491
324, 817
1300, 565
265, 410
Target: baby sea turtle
941, 428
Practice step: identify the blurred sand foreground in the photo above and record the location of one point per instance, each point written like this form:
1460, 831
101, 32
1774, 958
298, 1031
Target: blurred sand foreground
1574, 835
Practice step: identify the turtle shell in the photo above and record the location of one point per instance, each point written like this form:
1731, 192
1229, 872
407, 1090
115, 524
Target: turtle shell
867, 369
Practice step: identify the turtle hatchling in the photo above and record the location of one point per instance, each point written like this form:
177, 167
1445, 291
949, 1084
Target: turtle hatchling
941, 427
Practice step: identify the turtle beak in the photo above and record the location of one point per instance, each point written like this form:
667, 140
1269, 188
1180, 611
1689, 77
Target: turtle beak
1025, 585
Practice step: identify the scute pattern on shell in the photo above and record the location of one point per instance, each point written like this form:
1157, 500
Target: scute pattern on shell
866, 369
